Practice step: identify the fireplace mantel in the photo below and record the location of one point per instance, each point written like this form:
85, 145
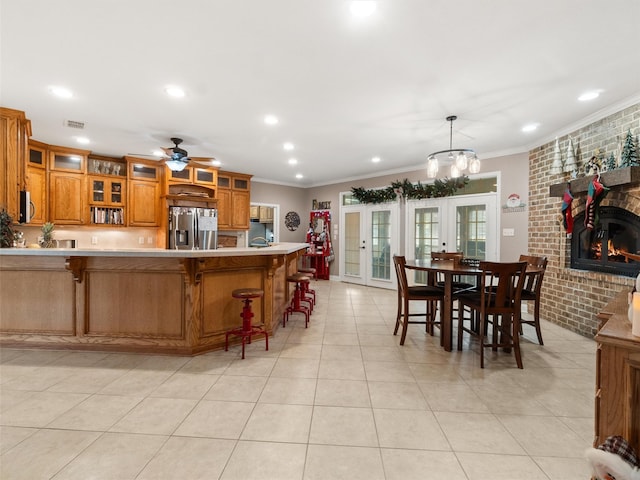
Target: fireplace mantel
619, 176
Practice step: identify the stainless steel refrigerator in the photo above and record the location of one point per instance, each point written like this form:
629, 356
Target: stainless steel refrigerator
192, 228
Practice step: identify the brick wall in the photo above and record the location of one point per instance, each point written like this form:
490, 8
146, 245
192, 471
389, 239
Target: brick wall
572, 298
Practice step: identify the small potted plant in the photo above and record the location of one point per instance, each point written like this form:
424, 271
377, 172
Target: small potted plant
7, 235
47, 236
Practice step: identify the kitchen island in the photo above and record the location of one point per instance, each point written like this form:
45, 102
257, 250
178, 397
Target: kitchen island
138, 300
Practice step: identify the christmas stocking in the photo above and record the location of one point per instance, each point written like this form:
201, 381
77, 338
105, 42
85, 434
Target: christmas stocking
595, 194
567, 216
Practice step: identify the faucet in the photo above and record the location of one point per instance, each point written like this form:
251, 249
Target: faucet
259, 238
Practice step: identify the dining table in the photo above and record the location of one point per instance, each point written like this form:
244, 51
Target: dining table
449, 270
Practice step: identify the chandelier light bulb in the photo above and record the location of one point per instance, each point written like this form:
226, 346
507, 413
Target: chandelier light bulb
455, 172
474, 165
432, 167
461, 161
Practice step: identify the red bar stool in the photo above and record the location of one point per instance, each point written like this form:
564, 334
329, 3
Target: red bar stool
305, 286
247, 330
296, 302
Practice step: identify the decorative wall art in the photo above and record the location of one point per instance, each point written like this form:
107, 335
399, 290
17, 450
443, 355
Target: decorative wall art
292, 221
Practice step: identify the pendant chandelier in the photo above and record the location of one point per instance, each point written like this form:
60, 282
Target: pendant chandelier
459, 158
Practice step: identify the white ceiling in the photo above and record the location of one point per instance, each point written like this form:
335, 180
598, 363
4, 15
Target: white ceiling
345, 90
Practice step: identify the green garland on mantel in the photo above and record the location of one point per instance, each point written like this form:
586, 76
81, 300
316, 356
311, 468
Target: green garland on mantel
408, 190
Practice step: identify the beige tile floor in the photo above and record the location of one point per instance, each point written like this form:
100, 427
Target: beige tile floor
339, 400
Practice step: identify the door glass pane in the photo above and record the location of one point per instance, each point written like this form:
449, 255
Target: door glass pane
352, 243
471, 231
381, 245
427, 226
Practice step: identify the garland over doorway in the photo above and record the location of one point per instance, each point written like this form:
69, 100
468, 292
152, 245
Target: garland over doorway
407, 190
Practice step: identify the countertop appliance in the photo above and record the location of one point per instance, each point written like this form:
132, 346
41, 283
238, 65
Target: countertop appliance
193, 228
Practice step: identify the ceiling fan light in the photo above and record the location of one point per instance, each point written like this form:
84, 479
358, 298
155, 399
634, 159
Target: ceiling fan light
176, 165
461, 161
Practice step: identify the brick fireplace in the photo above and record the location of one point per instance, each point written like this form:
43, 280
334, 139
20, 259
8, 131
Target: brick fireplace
571, 297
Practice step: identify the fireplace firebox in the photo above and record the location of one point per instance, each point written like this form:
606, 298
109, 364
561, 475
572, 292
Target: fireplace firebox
604, 248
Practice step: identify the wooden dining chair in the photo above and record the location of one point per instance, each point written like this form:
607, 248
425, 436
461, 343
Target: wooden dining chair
531, 290
421, 293
496, 303
458, 285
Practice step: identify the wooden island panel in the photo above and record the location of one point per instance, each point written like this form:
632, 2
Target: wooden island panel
169, 305
24, 310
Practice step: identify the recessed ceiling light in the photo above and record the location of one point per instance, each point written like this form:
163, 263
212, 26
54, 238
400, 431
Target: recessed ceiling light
530, 127
293, 161
157, 153
174, 91
61, 92
362, 8
271, 120
216, 163
288, 146
298, 176
586, 96
376, 159
83, 140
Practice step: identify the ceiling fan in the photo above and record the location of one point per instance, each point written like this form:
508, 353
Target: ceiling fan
176, 158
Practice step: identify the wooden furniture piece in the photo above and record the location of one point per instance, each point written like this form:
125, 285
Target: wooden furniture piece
449, 271
233, 196
617, 394
456, 257
36, 181
139, 300
499, 297
296, 302
144, 206
15, 130
531, 290
247, 330
429, 295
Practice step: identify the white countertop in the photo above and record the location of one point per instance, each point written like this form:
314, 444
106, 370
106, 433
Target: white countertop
281, 248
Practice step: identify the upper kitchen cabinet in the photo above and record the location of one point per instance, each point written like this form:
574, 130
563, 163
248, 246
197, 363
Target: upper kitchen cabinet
144, 207
15, 131
36, 181
234, 191
66, 198
196, 173
67, 185
66, 159
107, 166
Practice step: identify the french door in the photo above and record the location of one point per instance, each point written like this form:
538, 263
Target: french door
466, 224
369, 238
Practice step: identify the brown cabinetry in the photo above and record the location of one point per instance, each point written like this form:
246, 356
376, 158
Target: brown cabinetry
144, 205
67, 185
266, 214
233, 195
617, 402
36, 181
15, 130
107, 198
66, 194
